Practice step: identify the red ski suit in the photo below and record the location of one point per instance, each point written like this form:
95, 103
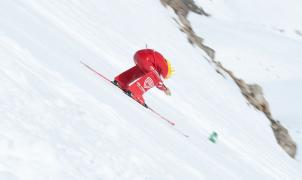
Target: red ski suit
149, 66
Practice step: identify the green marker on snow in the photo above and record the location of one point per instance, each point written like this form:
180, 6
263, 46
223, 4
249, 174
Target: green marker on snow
213, 137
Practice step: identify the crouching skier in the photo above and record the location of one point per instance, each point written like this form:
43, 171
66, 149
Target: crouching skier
150, 67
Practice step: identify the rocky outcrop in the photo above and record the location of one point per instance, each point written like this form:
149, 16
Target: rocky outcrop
284, 139
252, 92
182, 9
254, 95
298, 32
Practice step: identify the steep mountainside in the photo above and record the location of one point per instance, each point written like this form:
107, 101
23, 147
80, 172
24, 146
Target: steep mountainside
60, 121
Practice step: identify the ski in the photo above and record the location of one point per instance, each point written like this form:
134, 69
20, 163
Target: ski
152, 110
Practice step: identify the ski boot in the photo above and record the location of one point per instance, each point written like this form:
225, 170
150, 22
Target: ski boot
139, 99
117, 85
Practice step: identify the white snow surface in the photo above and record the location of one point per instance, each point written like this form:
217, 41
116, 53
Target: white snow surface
59, 121
247, 38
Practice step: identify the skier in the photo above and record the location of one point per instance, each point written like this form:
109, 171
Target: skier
149, 67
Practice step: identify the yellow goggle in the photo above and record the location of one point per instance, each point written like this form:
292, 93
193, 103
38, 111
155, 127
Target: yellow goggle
171, 70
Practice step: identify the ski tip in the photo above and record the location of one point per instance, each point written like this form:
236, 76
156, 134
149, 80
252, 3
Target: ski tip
83, 63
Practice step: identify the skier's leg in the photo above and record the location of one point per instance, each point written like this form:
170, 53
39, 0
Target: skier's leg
130, 75
142, 85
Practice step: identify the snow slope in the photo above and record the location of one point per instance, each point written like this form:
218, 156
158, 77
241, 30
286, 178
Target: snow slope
60, 121
257, 41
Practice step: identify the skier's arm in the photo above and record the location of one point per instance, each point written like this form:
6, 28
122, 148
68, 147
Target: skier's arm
159, 83
162, 87
168, 92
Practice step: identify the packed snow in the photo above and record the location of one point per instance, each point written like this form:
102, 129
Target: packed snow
61, 121
257, 41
